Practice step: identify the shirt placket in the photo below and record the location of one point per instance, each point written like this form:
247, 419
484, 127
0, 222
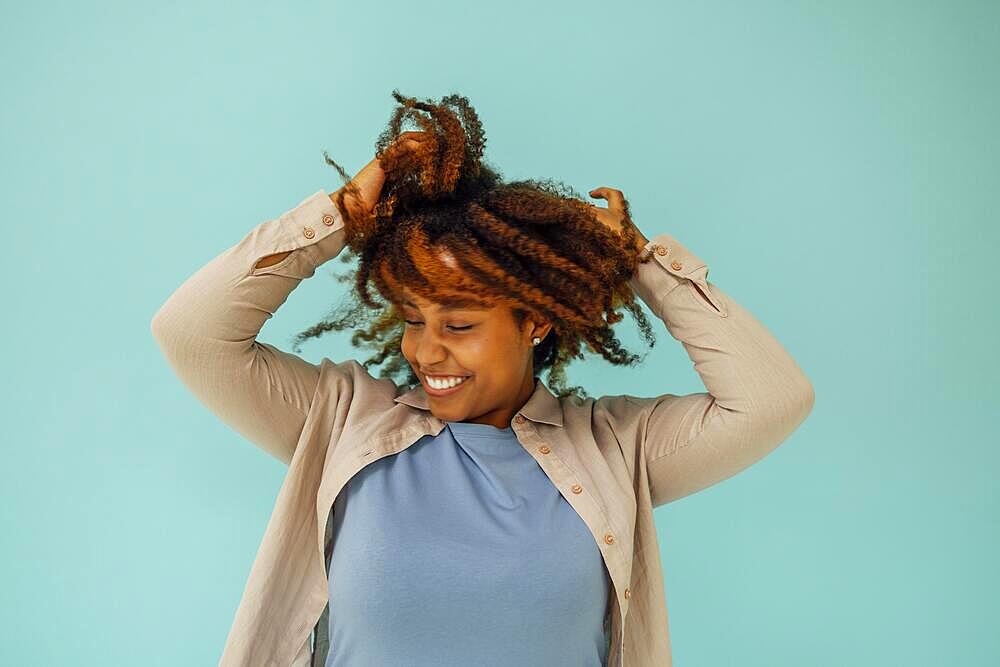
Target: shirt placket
593, 514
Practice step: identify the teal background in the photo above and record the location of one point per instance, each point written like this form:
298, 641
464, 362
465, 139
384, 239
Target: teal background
835, 164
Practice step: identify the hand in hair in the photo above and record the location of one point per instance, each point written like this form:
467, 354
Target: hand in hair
371, 178
615, 216
437, 218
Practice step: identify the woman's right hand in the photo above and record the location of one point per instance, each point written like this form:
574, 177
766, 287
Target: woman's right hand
371, 178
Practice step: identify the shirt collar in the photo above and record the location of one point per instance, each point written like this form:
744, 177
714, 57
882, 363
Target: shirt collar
541, 406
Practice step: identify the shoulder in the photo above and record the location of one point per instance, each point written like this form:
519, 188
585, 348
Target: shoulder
356, 390
614, 410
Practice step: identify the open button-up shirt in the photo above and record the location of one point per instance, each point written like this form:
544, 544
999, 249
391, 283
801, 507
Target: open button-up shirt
614, 458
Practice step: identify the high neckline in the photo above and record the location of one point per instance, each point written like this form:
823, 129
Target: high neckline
477, 430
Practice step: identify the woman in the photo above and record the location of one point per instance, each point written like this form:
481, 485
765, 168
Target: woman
466, 514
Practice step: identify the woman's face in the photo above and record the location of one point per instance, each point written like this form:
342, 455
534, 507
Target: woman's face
484, 345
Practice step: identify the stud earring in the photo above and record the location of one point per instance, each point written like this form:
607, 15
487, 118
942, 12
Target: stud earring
536, 340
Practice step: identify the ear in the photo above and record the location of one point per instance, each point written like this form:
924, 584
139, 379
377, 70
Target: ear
540, 329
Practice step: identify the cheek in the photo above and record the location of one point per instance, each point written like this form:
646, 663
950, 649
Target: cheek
407, 348
490, 354
494, 355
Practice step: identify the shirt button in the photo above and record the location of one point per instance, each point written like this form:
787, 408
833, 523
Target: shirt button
544, 449
519, 419
308, 232
627, 594
609, 538
576, 488
327, 219
660, 250
676, 266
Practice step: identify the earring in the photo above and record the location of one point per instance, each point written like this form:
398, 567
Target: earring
536, 340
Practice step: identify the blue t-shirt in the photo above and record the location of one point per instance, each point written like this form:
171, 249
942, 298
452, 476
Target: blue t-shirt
460, 551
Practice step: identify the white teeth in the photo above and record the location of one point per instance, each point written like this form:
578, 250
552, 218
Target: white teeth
444, 384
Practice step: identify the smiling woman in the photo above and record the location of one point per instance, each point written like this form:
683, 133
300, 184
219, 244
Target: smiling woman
469, 270
468, 504
475, 361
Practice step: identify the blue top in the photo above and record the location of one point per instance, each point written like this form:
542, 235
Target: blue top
460, 551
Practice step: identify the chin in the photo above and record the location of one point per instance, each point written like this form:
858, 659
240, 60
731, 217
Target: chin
448, 416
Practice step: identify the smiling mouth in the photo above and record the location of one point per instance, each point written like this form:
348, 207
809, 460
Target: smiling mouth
431, 391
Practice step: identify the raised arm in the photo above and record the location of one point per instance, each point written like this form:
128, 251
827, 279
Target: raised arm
207, 329
757, 394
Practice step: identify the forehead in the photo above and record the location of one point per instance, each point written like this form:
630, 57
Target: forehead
451, 302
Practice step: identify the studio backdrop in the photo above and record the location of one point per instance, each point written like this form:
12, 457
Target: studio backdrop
833, 164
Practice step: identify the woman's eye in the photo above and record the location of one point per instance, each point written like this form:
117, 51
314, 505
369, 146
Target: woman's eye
454, 328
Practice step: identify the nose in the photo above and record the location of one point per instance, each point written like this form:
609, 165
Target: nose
430, 351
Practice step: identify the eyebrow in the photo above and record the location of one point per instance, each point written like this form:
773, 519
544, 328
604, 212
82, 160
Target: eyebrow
454, 303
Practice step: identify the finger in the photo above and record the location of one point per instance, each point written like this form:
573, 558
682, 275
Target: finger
615, 198
597, 193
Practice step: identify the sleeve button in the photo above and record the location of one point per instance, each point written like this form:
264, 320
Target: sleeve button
308, 232
676, 266
327, 219
660, 250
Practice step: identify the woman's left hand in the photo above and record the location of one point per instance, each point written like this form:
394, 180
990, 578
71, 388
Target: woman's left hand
613, 217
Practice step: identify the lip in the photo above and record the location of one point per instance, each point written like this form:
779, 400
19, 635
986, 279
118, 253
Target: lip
431, 391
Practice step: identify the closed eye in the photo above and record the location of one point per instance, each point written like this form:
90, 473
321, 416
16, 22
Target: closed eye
455, 328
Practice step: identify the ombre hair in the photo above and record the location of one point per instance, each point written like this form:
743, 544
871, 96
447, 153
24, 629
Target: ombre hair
451, 230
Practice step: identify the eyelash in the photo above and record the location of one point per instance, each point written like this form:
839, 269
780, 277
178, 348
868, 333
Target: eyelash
465, 328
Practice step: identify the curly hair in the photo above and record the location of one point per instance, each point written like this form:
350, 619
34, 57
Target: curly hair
533, 245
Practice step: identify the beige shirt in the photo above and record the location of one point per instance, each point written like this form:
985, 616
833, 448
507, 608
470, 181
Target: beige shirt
614, 458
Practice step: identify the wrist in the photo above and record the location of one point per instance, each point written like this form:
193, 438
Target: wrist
640, 241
